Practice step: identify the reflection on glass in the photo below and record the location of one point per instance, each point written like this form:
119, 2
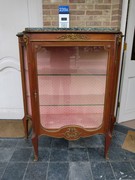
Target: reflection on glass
133, 48
71, 84
27, 81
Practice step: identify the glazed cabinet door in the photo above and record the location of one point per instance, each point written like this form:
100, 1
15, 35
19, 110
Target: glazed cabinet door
72, 85
25, 85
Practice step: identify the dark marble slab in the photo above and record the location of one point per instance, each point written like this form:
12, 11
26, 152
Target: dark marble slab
133, 165
117, 139
96, 154
80, 143
6, 154
78, 154
69, 160
123, 170
58, 171
117, 154
14, 171
8, 143
80, 171
82, 29
94, 141
44, 155
2, 168
122, 129
75, 29
129, 155
36, 171
45, 142
59, 155
59, 143
21, 155
24, 143
102, 171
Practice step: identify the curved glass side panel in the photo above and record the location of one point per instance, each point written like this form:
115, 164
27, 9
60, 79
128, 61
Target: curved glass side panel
27, 83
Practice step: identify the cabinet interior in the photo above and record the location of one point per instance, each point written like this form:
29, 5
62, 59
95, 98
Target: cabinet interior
71, 84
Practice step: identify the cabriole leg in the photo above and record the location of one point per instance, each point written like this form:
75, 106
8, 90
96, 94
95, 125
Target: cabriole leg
108, 138
35, 146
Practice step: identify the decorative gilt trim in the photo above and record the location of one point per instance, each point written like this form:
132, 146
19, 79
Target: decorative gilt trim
118, 44
56, 40
119, 39
107, 47
73, 37
72, 133
25, 39
38, 48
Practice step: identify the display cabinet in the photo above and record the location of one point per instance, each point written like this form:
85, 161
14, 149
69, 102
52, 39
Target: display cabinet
69, 80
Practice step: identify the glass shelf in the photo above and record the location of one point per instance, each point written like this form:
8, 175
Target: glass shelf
72, 100
71, 74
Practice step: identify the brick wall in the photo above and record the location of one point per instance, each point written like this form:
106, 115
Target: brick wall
84, 13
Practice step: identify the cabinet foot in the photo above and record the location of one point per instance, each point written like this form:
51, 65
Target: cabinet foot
35, 146
35, 158
107, 144
107, 156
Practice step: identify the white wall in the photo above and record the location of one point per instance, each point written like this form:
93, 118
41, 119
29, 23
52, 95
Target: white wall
15, 15
122, 29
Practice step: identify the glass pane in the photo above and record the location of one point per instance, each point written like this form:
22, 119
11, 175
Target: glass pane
53, 117
71, 90
133, 48
27, 80
72, 60
71, 83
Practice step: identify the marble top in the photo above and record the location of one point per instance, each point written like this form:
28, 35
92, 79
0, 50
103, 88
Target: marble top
75, 29
44, 29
